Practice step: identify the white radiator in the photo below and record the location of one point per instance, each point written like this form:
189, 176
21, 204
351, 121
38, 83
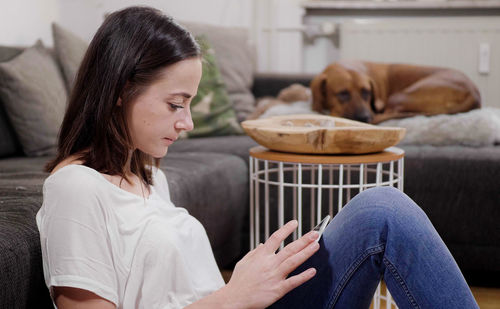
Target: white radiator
453, 42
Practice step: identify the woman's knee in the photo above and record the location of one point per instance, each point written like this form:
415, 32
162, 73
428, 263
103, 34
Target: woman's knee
386, 202
386, 196
373, 213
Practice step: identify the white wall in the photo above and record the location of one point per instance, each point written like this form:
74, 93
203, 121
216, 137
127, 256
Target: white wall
277, 31
84, 17
22, 22
274, 25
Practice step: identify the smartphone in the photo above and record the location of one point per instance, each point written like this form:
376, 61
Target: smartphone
321, 226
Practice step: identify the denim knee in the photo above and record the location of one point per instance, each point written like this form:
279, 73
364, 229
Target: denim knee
388, 204
385, 197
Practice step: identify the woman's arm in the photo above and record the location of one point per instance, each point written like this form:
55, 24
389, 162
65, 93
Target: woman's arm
260, 278
74, 298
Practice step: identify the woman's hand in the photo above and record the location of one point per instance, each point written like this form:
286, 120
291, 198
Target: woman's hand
260, 278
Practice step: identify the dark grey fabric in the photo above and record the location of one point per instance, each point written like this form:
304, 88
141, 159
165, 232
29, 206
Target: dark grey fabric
22, 284
458, 189
236, 145
270, 84
9, 145
9, 52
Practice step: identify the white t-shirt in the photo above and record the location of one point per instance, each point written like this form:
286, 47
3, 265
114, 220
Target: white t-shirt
133, 252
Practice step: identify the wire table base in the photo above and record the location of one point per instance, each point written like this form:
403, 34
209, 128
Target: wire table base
308, 187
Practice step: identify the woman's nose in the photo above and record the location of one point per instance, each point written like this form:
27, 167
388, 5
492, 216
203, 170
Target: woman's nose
185, 123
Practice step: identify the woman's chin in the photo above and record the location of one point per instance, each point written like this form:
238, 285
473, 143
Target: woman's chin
161, 154
158, 153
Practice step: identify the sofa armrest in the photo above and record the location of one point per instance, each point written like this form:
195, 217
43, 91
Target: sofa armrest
270, 84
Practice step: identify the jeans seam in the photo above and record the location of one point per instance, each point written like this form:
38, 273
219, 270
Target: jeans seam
352, 269
399, 279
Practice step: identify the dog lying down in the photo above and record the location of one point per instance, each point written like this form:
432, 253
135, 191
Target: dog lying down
375, 92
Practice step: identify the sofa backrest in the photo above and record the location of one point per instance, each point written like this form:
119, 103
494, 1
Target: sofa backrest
9, 144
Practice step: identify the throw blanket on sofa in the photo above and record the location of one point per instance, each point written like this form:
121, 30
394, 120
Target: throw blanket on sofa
476, 128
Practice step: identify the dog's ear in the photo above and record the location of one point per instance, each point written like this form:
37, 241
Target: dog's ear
318, 85
376, 102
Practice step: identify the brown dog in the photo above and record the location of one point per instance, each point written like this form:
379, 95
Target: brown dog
374, 92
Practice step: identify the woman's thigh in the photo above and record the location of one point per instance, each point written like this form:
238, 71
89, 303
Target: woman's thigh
380, 232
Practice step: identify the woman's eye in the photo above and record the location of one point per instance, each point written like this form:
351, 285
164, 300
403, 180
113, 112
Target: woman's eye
175, 106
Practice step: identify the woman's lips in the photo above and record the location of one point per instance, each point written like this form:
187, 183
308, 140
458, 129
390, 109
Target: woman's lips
168, 141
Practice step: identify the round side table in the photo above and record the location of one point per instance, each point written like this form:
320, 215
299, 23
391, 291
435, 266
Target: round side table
308, 187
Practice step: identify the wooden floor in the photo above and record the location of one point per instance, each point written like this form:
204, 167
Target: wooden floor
487, 298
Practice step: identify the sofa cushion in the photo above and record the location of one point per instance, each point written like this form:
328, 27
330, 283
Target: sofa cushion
70, 50
22, 284
237, 61
235, 145
9, 145
34, 96
211, 110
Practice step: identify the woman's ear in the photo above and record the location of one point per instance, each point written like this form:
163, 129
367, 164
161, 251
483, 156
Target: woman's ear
318, 92
377, 103
119, 102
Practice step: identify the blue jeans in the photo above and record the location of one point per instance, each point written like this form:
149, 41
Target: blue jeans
381, 232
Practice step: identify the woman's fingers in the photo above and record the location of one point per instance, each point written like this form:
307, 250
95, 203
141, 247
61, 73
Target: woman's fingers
293, 261
296, 246
274, 241
265, 273
294, 281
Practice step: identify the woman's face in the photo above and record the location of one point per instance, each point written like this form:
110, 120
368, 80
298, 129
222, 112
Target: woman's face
158, 115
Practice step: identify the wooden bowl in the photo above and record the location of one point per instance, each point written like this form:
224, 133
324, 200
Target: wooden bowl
321, 134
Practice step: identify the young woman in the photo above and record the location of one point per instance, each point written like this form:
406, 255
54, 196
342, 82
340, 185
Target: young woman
111, 237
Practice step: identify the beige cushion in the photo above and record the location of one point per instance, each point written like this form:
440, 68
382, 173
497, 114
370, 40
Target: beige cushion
236, 58
70, 50
34, 97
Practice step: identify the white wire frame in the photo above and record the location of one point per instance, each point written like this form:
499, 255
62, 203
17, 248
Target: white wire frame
384, 172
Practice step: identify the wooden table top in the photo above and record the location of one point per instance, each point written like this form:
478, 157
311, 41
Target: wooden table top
389, 154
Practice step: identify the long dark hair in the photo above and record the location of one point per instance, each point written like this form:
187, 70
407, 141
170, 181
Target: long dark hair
126, 55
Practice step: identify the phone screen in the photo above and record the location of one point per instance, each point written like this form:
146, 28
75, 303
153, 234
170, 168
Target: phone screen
321, 226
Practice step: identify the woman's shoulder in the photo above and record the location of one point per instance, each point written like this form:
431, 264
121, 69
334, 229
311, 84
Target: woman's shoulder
71, 160
73, 177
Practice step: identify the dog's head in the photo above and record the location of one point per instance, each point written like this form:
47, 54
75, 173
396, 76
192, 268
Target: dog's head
346, 90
